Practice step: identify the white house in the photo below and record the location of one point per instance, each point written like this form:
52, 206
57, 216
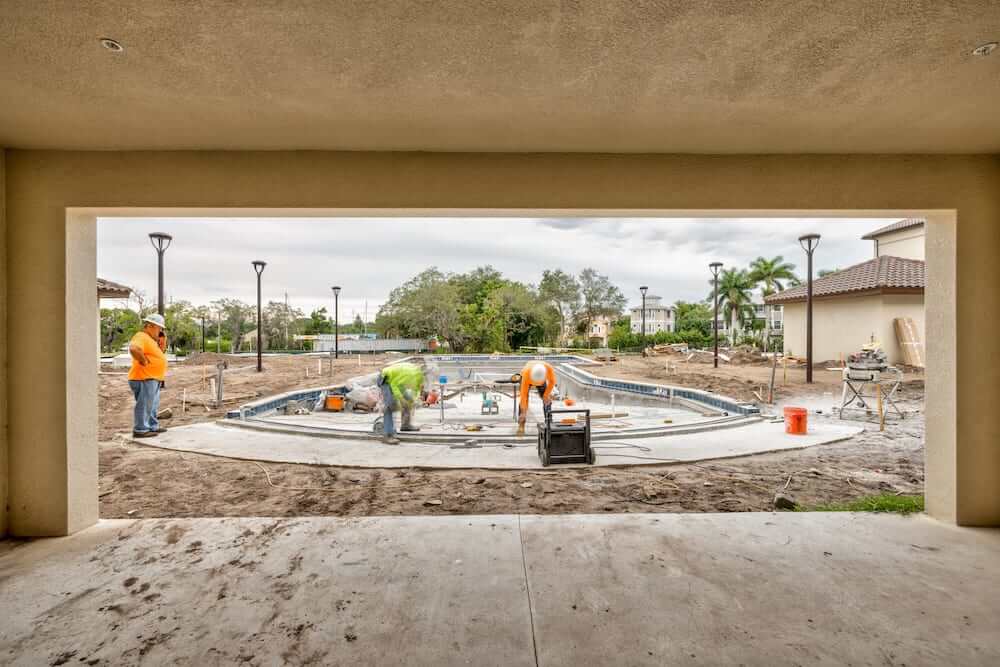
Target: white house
659, 317
853, 306
600, 328
900, 239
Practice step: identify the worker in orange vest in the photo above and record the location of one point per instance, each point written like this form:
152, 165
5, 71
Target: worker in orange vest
542, 377
145, 378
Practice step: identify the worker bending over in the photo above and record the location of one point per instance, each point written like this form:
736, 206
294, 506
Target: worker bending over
401, 386
542, 377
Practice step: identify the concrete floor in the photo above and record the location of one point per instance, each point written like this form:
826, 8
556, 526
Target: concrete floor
753, 589
234, 442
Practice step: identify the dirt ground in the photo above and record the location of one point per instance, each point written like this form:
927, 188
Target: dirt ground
241, 383
140, 481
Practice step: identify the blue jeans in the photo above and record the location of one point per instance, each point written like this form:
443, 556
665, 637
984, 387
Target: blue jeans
147, 404
390, 404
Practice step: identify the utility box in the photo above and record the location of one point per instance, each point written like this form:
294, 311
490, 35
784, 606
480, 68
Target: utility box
560, 442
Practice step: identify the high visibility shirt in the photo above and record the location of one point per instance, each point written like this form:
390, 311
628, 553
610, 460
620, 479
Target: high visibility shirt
401, 377
156, 366
526, 383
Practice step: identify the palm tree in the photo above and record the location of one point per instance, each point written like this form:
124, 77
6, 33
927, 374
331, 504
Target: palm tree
772, 275
735, 298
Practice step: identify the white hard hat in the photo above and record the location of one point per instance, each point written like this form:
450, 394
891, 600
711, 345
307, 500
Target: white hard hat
538, 373
156, 319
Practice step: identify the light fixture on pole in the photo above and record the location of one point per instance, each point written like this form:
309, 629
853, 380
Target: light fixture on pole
643, 337
258, 267
715, 267
160, 243
336, 321
809, 243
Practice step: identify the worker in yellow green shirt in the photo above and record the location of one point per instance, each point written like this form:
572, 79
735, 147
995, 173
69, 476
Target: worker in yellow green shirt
402, 386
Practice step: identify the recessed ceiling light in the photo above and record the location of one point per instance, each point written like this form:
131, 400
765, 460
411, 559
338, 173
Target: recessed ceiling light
111, 45
985, 49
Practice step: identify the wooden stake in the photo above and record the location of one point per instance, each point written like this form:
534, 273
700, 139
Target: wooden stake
770, 387
784, 370
881, 412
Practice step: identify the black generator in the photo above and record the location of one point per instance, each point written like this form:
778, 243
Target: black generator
565, 443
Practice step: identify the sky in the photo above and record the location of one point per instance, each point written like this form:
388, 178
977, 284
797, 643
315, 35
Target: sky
209, 258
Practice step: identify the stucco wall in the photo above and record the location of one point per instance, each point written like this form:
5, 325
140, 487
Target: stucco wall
53, 480
842, 325
3, 348
908, 243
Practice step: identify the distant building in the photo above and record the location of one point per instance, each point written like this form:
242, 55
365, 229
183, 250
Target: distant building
658, 317
600, 329
900, 239
853, 306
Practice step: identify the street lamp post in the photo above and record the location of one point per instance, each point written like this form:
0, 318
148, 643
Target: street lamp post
809, 243
336, 321
715, 267
643, 337
160, 243
258, 267
203, 332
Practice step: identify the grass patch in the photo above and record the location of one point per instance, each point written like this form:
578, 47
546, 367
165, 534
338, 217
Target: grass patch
885, 502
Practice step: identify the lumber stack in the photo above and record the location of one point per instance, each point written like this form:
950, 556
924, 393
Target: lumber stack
909, 341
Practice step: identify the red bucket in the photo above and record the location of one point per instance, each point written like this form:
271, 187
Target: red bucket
796, 421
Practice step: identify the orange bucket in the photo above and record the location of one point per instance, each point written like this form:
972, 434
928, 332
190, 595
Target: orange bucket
796, 421
335, 403
569, 401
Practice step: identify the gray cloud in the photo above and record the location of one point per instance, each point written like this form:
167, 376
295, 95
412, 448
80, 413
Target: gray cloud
210, 258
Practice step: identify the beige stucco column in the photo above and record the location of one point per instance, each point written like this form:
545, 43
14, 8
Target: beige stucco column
3, 347
52, 198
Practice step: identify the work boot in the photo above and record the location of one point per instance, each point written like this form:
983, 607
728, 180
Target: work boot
144, 434
160, 430
389, 440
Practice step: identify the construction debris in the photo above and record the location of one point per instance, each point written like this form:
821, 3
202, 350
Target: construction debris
909, 342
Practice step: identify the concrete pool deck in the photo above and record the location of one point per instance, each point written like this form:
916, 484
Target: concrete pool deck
230, 440
633, 589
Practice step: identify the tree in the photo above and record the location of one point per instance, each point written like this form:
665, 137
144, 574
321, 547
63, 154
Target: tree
143, 306
118, 325
735, 298
279, 324
234, 315
771, 275
598, 297
318, 323
427, 305
183, 328
693, 317
562, 291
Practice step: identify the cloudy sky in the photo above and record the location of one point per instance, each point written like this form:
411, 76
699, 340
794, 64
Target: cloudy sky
367, 257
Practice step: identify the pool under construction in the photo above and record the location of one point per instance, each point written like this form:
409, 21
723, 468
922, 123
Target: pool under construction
479, 404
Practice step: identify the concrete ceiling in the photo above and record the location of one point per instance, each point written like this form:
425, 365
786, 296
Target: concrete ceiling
727, 76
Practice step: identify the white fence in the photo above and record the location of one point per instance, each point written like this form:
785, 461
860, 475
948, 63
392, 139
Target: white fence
354, 346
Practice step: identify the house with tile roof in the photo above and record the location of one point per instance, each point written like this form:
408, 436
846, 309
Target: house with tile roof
900, 239
860, 303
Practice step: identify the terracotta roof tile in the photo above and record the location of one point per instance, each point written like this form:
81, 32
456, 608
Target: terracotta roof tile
881, 273
111, 289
